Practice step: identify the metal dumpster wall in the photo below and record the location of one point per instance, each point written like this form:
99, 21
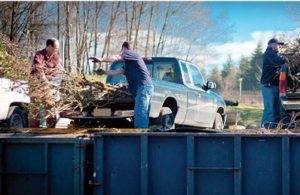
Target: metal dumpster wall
42, 165
196, 164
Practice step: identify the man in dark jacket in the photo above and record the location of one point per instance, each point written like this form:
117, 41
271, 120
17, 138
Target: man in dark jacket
272, 63
139, 81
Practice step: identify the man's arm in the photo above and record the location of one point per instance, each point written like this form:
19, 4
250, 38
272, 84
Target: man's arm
110, 72
106, 59
38, 66
115, 72
276, 60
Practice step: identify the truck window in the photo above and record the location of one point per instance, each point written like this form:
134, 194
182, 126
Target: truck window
118, 78
150, 68
197, 77
185, 73
121, 78
164, 71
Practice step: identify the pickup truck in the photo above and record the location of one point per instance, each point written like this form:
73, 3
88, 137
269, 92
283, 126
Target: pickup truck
289, 88
181, 96
14, 98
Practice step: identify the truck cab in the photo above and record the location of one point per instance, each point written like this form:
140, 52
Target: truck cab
14, 98
181, 95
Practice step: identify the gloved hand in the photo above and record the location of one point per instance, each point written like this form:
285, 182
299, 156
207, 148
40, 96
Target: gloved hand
100, 71
95, 59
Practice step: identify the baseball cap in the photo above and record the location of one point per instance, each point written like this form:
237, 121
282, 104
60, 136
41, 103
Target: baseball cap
274, 40
126, 45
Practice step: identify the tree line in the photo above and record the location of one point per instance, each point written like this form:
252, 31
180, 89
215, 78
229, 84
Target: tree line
246, 72
181, 29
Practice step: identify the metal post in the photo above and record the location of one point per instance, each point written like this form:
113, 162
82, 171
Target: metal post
240, 80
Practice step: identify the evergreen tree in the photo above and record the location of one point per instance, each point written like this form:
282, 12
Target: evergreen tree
215, 77
244, 67
230, 83
230, 75
256, 67
227, 67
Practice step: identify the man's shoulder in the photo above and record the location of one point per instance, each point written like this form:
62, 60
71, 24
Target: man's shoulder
270, 51
41, 52
130, 53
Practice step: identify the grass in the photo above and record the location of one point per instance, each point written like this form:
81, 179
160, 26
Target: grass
250, 114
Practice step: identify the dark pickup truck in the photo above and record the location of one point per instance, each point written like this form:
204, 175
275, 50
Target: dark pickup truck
289, 88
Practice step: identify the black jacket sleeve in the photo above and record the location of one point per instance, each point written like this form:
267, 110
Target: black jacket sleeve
273, 59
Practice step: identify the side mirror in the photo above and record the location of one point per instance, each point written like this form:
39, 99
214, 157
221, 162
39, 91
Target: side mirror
211, 85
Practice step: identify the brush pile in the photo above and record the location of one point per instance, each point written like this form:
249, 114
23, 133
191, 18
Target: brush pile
75, 94
14, 61
291, 53
69, 94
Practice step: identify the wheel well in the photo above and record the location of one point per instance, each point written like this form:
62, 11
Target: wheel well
172, 104
221, 112
20, 105
24, 111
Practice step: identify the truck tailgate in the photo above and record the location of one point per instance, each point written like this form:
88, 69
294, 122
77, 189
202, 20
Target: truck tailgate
293, 95
291, 104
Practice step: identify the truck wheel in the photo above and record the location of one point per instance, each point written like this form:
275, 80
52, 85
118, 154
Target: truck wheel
166, 119
218, 123
17, 117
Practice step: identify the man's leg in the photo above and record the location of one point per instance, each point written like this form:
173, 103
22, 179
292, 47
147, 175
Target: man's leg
142, 106
268, 113
43, 120
276, 106
33, 114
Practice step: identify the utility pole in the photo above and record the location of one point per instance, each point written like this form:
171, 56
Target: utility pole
240, 80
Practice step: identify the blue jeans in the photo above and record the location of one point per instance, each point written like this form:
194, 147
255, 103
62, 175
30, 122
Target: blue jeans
142, 106
271, 114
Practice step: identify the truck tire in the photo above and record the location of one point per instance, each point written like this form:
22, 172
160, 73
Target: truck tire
17, 117
166, 119
218, 123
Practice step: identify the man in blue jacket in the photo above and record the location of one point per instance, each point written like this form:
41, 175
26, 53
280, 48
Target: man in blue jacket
272, 63
139, 81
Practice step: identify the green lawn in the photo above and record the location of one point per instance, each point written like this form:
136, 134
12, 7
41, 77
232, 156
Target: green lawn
250, 114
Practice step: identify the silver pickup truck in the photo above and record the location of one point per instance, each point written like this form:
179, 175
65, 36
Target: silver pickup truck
181, 95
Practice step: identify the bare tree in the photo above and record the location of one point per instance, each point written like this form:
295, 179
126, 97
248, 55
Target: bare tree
138, 25
171, 11
230, 83
126, 20
114, 13
67, 47
149, 28
153, 28
98, 8
133, 13
19, 20
58, 19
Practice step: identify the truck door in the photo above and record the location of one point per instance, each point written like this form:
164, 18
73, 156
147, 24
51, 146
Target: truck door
205, 102
191, 107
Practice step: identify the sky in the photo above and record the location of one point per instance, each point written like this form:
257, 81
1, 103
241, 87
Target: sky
253, 22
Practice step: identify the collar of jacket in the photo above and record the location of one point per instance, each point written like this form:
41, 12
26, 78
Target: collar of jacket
270, 49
